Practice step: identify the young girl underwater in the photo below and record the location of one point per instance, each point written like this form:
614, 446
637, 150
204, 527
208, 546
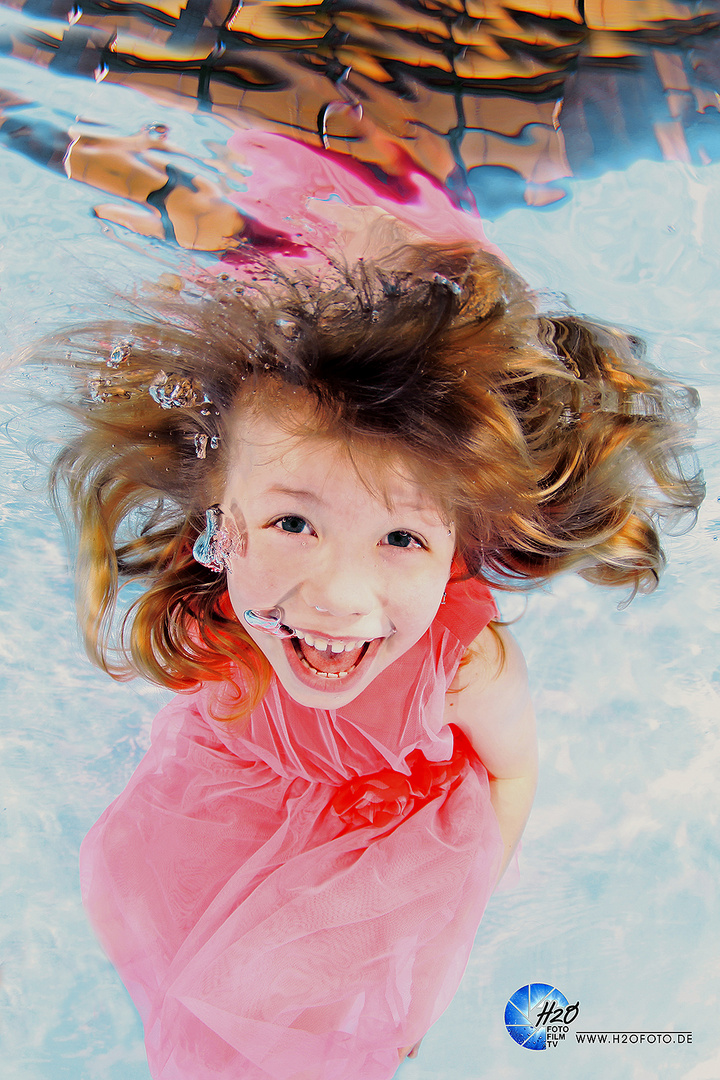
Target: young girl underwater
314, 481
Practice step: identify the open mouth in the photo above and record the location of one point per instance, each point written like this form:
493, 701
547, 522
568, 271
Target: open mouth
332, 662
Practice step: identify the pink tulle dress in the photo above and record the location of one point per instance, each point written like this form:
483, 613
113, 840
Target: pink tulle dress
296, 897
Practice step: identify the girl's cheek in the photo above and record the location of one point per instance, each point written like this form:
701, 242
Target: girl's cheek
263, 576
424, 592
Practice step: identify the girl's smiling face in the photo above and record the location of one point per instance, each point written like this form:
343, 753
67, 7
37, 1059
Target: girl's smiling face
358, 574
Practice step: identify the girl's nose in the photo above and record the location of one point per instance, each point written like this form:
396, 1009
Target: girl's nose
342, 590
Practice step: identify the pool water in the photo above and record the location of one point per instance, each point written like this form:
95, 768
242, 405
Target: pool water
617, 902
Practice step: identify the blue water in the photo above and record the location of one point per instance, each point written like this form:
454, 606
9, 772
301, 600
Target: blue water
617, 903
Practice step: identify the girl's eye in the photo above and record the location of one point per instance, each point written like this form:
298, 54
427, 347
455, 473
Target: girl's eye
292, 524
401, 538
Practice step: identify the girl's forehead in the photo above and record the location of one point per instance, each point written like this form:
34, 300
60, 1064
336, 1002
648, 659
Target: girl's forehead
266, 451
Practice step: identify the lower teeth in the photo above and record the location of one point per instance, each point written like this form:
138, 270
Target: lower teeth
325, 674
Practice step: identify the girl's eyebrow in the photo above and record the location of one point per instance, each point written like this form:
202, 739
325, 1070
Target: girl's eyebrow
300, 493
399, 505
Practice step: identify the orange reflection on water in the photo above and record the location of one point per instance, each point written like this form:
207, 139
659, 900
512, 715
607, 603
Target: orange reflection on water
537, 89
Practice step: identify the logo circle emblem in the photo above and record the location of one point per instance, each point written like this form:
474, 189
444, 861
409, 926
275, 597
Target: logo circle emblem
528, 1011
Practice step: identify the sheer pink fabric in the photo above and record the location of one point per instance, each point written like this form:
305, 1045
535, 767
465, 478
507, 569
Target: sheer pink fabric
296, 899
307, 204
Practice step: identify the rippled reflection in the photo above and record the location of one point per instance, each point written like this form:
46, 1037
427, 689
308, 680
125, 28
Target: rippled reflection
500, 102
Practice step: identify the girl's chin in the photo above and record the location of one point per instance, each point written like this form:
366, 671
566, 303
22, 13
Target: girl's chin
320, 685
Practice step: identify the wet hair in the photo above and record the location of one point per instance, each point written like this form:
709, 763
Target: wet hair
548, 440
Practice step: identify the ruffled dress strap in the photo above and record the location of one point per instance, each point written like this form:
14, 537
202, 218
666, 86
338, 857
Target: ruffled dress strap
469, 607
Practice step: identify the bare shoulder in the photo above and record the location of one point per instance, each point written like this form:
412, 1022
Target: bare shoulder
489, 700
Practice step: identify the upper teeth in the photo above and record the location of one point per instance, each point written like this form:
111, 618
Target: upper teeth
322, 645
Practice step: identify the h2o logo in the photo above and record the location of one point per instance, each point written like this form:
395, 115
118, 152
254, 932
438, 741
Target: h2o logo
538, 1015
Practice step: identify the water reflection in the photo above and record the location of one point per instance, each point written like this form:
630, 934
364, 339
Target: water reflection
499, 102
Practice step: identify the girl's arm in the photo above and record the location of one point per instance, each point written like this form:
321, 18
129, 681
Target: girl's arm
489, 701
